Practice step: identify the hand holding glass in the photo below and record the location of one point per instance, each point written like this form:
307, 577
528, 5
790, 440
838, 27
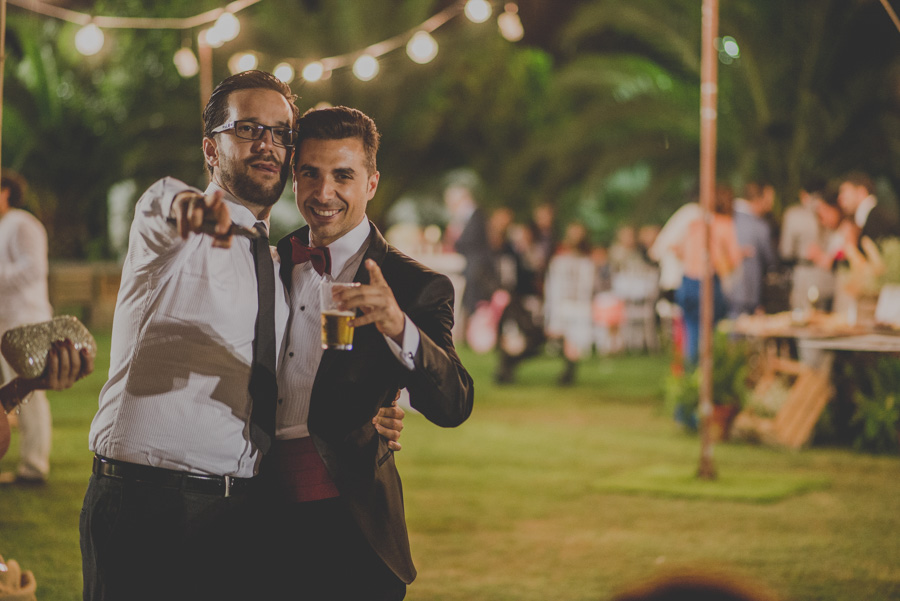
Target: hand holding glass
337, 333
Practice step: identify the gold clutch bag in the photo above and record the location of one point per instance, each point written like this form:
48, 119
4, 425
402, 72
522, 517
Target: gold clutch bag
26, 347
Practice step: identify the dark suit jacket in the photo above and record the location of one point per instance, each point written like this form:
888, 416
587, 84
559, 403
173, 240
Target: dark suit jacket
881, 223
480, 273
351, 386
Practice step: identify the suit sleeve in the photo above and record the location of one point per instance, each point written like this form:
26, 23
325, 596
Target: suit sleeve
439, 386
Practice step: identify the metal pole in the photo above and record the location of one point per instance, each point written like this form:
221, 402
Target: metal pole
708, 100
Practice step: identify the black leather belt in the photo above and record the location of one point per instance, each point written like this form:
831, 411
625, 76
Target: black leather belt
221, 486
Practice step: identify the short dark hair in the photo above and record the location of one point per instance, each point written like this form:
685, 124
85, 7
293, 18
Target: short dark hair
858, 178
216, 109
15, 183
337, 123
723, 201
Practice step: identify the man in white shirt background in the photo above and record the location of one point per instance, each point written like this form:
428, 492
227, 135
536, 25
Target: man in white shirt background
188, 410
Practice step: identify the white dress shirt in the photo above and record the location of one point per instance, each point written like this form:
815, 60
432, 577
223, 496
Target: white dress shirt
303, 344
23, 270
182, 344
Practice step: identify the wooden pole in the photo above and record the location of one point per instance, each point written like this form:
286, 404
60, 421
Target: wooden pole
708, 101
204, 57
2, 68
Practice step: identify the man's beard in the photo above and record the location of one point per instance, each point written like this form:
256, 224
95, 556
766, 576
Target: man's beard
236, 176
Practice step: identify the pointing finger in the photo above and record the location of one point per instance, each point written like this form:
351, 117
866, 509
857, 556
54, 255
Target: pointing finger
376, 278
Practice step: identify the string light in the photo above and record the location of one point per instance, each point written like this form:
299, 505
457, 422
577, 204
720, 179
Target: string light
510, 24
89, 40
227, 27
242, 61
366, 67
422, 48
313, 72
478, 11
186, 62
284, 72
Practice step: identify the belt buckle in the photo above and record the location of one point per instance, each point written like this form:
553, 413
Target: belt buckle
228, 480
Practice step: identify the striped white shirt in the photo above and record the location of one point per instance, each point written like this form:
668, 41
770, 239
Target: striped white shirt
177, 395
303, 343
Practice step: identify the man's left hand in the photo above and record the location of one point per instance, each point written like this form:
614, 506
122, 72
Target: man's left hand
377, 303
389, 423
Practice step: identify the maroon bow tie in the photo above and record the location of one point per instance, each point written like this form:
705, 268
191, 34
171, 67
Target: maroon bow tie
318, 255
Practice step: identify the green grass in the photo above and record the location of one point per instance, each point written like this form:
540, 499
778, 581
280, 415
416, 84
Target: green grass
520, 502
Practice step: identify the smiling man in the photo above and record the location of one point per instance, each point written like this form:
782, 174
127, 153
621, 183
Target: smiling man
189, 407
404, 315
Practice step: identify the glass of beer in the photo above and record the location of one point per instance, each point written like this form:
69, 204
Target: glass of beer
337, 333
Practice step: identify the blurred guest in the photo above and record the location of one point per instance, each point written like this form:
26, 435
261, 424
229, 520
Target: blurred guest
624, 253
646, 236
468, 235
520, 332
670, 238
857, 199
745, 287
568, 294
543, 233
838, 233
801, 232
23, 288
725, 257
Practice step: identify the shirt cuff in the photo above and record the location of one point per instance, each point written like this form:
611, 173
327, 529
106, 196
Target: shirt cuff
407, 352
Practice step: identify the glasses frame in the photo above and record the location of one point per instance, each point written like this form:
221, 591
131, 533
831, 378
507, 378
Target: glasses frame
260, 129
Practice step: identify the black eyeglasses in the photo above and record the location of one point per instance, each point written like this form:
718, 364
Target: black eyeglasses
250, 130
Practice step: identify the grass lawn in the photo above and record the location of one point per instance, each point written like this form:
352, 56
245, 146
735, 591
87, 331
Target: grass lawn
532, 498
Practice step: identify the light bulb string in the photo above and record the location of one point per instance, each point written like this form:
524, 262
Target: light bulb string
105, 22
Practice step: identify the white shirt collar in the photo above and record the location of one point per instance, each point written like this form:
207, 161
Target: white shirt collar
347, 245
862, 211
240, 214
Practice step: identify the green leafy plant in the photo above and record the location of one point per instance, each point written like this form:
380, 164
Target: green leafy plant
878, 407
890, 256
730, 381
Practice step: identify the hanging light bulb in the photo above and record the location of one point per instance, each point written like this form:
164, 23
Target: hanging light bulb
422, 48
186, 62
478, 11
89, 40
313, 71
510, 24
366, 67
242, 61
284, 72
227, 27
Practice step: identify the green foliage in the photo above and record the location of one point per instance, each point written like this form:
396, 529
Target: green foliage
877, 401
729, 381
890, 254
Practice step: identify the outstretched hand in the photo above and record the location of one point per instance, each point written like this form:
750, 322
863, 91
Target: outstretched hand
377, 303
192, 210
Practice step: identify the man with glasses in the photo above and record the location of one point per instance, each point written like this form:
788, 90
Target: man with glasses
189, 407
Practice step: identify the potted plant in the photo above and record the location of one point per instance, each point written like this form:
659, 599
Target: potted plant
877, 400
729, 383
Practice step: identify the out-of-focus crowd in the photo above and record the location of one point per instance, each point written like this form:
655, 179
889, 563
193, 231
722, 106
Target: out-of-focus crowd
524, 288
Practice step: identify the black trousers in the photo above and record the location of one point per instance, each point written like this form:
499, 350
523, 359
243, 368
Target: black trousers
142, 541
316, 552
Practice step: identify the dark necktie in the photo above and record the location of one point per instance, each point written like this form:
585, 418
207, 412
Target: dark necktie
263, 385
319, 256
